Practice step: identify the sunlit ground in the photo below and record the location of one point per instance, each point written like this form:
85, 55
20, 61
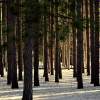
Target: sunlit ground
66, 89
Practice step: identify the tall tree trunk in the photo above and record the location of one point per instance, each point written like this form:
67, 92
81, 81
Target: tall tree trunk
74, 51
96, 70
51, 37
79, 48
82, 53
92, 35
36, 44
28, 47
56, 44
4, 36
27, 93
11, 21
87, 36
45, 45
19, 36
1, 53
74, 38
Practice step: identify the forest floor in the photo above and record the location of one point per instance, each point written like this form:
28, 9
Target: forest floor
66, 89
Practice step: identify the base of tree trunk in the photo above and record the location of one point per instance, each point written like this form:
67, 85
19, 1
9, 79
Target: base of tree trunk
20, 78
27, 96
80, 87
15, 86
36, 84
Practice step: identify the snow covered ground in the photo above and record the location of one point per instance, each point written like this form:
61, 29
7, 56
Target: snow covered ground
66, 89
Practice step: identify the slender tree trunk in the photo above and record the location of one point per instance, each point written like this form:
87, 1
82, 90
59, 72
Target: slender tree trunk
56, 44
74, 52
59, 58
19, 36
74, 39
82, 53
1, 53
4, 36
92, 35
51, 38
45, 46
87, 36
36, 44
